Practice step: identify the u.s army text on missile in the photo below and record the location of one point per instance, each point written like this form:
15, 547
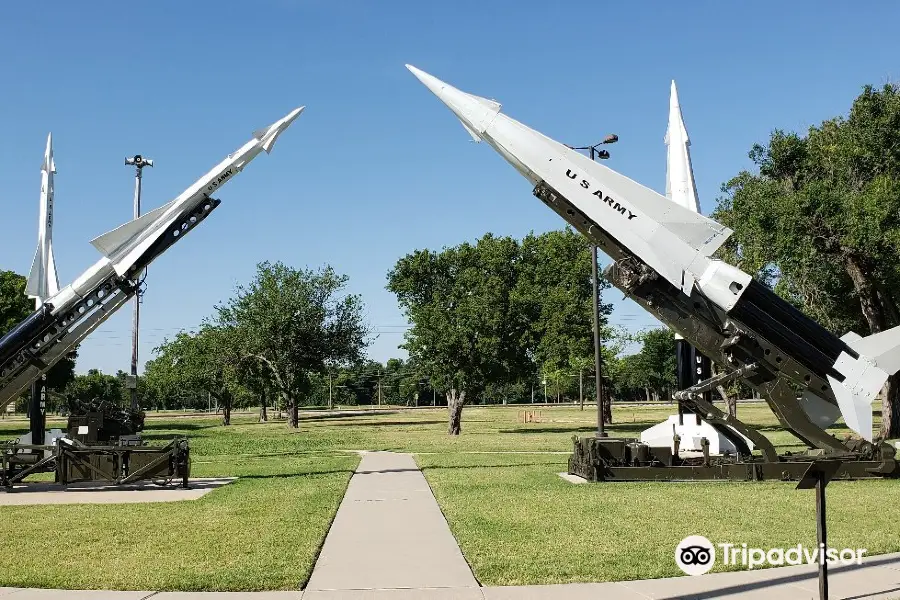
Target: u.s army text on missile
612, 203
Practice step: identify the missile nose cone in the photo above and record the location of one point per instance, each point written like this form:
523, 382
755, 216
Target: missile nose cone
673, 96
270, 134
48, 164
676, 119
430, 81
293, 115
475, 113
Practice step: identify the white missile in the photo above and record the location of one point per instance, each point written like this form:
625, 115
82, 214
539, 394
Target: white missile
68, 316
680, 186
43, 281
634, 224
124, 246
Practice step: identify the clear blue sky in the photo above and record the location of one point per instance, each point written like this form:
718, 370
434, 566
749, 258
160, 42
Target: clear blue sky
376, 167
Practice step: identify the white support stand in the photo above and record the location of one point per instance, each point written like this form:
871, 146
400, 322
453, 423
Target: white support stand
661, 435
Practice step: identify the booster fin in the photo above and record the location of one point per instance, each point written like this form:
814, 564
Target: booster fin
52, 276
864, 377
33, 284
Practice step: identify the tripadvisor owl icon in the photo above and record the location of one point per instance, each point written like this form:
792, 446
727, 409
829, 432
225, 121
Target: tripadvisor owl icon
695, 555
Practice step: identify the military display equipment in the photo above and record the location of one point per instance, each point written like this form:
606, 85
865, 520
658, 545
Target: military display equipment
65, 318
102, 444
102, 423
662, 258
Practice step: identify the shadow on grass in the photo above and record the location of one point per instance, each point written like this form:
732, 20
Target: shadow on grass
492, 466
345, 415
615, 428
293, 475
170, 426
399, 423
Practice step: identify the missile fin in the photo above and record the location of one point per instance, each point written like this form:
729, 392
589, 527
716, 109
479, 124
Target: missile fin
856, 409
687, 283
822, 413
33, 284
52, 276
112, 242
850, 336
864, 377
699, 232
883, 348
475, 137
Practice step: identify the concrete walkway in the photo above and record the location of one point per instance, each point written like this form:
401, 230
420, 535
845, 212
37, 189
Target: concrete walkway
390, 534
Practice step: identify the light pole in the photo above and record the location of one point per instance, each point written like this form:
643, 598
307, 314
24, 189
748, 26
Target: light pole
139, 163
596, 153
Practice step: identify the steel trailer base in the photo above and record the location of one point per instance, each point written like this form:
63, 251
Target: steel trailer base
627, 459
74, 462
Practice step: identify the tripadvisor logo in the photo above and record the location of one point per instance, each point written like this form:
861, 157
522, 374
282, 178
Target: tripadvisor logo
696, 555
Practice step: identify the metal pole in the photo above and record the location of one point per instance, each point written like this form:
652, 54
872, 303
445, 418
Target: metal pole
379, 389
139, 163
598, 365
821, 534
136, 317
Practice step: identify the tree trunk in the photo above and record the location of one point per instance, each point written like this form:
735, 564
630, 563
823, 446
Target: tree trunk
872, 309
875, 314
890, 409
730, 403
455, 401
647, 393
890, 306
226, 407
290, 405
263, 415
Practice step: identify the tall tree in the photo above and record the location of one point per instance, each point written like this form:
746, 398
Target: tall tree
657, 360
489, 317
295, 323
465, 333
96, 385
553, 296
821, 221
208, 360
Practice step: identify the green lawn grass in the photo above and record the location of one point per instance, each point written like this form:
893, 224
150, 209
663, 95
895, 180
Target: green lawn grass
516, 521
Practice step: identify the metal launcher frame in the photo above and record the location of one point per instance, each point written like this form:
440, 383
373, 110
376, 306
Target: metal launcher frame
628, 459
779, 376
74, 462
